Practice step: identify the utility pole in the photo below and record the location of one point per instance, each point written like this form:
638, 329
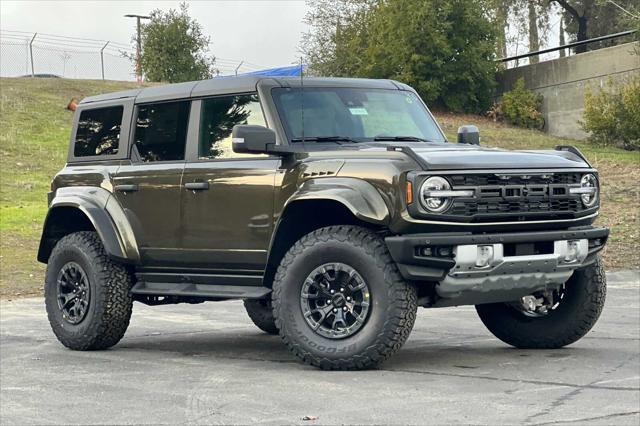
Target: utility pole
138, 43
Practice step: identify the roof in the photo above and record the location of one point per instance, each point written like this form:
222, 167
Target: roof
235, 84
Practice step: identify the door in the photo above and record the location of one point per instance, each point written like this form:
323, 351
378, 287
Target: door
149, 188
227, 198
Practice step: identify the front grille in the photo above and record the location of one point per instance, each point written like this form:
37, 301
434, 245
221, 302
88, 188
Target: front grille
470, 208
515, 197
514, 179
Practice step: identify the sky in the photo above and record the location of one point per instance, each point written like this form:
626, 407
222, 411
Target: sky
263, 33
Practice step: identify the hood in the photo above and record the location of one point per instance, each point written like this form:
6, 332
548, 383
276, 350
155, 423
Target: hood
465, 157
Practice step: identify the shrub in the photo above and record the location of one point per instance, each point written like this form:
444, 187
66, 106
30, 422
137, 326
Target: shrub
612, 117
521, 107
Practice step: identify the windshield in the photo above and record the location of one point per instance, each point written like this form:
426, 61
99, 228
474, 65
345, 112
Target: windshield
354, 115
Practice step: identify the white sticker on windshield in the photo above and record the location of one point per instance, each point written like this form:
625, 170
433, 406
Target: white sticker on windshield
358, 111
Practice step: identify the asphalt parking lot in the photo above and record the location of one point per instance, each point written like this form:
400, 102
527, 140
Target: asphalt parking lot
208, 364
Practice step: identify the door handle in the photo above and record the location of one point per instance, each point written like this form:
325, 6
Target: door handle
196, 186
126, 188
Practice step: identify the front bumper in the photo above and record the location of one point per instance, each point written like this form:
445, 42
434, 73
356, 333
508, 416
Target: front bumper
470, 268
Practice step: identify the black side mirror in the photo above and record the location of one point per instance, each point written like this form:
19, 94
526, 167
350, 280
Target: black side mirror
246, 138
469, 134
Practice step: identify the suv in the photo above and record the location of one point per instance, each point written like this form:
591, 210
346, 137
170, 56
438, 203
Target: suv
332, 207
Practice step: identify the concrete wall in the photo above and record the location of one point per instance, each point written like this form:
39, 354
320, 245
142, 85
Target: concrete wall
562, 82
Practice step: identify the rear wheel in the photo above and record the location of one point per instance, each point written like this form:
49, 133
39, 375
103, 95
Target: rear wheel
550, 319
339, 300
261, 313
86, 293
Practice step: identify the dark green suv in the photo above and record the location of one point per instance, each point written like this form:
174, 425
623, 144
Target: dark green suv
332, 207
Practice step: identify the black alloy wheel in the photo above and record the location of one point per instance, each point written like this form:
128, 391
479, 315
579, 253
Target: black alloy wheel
335, 300
73, 293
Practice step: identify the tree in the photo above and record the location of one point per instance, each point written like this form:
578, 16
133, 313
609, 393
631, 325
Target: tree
561, 41
174, 48
443, 48
586, 19
337, 29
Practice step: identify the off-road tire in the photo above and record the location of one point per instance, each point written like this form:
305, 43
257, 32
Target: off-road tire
110, 305
392, 309
571, 320
261, 313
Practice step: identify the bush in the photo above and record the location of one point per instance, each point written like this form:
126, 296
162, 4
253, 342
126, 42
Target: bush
612, 117
521, 107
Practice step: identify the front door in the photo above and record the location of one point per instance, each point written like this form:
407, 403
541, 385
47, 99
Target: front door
149, 188
227, 198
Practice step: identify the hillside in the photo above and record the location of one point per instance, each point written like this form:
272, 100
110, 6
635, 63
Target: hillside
34, 133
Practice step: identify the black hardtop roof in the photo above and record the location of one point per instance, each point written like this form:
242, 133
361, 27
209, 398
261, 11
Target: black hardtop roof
240, 84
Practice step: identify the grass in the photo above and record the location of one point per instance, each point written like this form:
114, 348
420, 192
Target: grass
34, 136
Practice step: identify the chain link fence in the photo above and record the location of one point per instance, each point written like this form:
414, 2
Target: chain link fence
24, 54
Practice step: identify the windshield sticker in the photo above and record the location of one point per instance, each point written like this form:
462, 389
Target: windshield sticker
358, 111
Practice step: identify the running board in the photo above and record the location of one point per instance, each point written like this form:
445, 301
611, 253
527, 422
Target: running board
200, 290
222, 286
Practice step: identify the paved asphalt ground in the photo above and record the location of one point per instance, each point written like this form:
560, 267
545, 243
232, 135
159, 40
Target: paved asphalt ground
208, 364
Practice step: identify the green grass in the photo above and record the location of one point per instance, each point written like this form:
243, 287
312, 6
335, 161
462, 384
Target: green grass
34, 136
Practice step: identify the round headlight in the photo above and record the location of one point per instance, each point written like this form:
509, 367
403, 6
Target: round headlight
589, 199
435, 204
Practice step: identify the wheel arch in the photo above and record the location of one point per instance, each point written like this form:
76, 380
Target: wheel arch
319, 204
88, 209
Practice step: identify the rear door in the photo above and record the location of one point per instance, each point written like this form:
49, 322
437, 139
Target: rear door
227, 198
149, 186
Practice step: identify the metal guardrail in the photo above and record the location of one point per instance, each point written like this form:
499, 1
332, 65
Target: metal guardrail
567, 46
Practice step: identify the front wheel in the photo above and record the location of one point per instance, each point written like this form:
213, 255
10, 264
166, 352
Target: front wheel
339, 300
86, 293
550, 319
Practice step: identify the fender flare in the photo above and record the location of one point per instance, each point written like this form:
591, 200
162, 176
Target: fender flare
359, 196
105, 214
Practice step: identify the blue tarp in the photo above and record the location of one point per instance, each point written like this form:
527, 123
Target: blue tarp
291, 71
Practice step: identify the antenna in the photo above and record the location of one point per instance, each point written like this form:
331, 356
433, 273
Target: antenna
302, 97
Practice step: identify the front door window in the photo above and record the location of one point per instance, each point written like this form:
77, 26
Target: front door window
217, 118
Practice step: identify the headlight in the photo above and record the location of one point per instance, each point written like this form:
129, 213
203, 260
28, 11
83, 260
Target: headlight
436, 194
588, 190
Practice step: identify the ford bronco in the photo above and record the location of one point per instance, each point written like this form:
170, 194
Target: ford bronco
333, 207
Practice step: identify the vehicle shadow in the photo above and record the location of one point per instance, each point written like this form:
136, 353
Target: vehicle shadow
416, 356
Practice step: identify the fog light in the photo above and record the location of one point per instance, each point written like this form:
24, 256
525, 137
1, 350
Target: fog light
572, 251
425, 251
485, 256
444, 252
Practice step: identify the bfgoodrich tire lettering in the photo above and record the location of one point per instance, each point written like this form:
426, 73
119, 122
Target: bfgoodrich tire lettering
575, 315
109, 310
393, 301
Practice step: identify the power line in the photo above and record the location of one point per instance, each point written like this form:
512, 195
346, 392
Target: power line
624, 10
57, 36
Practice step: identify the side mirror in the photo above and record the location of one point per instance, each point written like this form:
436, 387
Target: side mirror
469, 134
246, 138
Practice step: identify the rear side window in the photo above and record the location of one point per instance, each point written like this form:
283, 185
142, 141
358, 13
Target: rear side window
161, 131
98, 132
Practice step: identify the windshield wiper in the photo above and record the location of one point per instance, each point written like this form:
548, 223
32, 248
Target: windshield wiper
401, 138
336, 139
